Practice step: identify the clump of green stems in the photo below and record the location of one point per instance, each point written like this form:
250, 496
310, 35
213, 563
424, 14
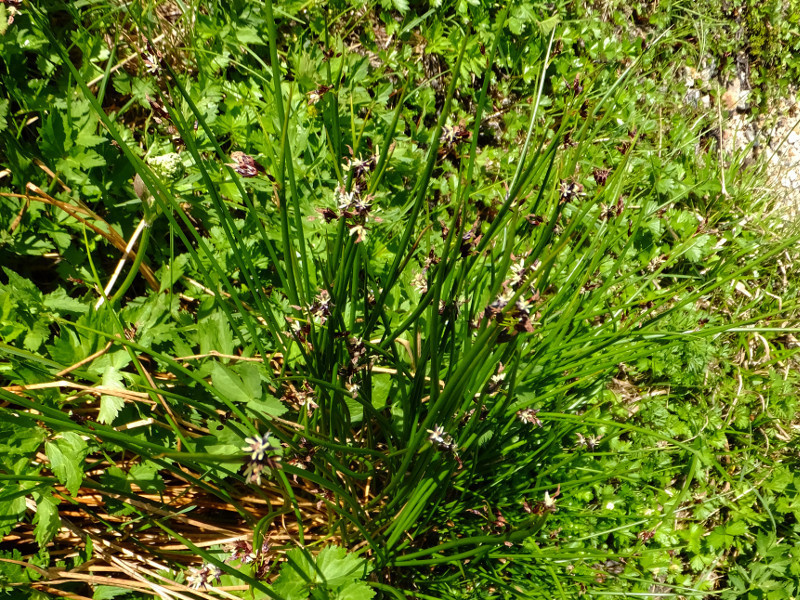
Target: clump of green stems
551, 303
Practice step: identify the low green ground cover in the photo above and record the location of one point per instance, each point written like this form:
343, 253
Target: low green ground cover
453, 301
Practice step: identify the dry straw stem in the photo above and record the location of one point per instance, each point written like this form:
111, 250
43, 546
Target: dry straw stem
132, 556
127, 252
88, 218
135, 558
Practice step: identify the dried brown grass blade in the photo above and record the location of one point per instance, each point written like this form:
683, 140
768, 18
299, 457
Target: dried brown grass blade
81, 213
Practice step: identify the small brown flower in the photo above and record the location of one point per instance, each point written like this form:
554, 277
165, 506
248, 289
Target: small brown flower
359, 166
534, 220
245, 165
470, 239
569, 190
359, 231
322, 305
328, 54
496, 381
548, 505
420, 283
601, 175
316, 95
262, 454
576, 88
328, 214
590, 441
613, 210
529, 415
646, 535
440, 438
199, 579
452, 136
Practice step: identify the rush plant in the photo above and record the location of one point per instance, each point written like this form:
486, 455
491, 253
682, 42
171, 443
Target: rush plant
380, 334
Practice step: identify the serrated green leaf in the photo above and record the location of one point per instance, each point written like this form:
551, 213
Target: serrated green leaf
53, 134
146, 476
12, 506
60, 301
3, 110
292, 582
84, 160
106, 592
66, 456
228, 384
338, 566
110, 405
697, 250
19, 435
737, 528
87, 138
11, 572
47, 519
357, 590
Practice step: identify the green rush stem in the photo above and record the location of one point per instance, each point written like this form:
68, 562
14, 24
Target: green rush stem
288, 247
422, 188
481, 346
295, 505
484, 544
357, 252
286, 162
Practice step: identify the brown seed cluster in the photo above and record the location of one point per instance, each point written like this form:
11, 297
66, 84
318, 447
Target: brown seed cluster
245, 165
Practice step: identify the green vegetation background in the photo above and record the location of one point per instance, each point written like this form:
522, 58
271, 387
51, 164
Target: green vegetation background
451, 300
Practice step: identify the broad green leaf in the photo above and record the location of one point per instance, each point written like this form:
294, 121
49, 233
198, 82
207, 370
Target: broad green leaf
66, 456
19, 435
110, 405
47, 519
292, 580
214, 334
146, 476
36, 335
547, 25
266, 405
224, 442
12, 506
357, 590
106, 592
251, 378
228, 384
3, 109
381, 386
59, 301
290, 588
338, 566
249, 35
